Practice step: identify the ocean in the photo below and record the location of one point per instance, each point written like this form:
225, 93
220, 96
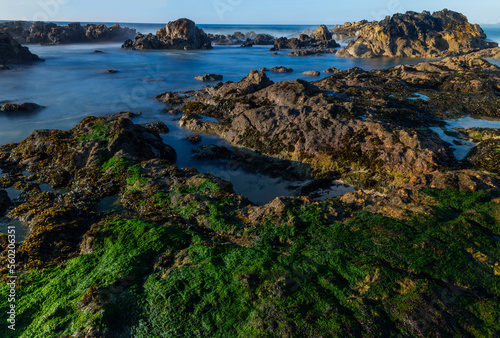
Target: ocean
72, 83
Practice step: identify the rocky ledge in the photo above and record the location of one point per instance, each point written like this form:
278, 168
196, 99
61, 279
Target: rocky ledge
11, 52
179, 34
440, 34
48, 33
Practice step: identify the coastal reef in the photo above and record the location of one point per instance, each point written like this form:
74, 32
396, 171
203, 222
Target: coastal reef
179, 34
440, 34
11, 52
48, 33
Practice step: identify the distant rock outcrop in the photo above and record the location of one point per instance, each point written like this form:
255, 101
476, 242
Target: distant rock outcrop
239, 38
443, 33
47, 33
180, 34
11, 52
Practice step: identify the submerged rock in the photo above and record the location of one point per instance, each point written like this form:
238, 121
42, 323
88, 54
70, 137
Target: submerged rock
179, 34
443, 33
311, 73
211, 151
47, 33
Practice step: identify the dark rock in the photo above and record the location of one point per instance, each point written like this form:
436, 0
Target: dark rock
11, 52
275, 53
212, 152
195, 139
209, 77
180, 34
157, 127
97, 52
312, 51
21, 107
112, 71
444, 33
348, 31
281, 69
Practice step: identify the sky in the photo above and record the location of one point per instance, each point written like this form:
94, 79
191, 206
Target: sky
237, 11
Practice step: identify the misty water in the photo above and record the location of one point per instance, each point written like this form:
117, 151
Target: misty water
72, 83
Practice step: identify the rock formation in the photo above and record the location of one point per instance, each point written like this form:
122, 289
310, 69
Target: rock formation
443, 33
11, 52
47, 33
180, 34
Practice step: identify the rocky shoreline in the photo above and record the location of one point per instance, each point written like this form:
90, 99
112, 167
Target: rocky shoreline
48, 33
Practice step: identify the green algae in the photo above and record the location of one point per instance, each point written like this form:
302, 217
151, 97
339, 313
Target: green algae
312, 271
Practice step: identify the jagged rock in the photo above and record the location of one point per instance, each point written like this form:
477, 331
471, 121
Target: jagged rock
112, 71
209, 77
251, 83
444, 33
21, 107
54, 154
11, 52
356, 125
47, 33
179, 34
312, 73
281, 69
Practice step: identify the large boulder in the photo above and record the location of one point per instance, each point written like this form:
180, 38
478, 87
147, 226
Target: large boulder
179, 34
444, 33
11, 51
48, 33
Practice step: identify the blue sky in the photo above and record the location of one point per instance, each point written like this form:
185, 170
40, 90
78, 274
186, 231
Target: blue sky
237, 11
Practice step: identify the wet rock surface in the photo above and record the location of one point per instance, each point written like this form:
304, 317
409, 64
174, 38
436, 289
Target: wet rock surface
47, 33
179, 34
368, 128
443, 33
